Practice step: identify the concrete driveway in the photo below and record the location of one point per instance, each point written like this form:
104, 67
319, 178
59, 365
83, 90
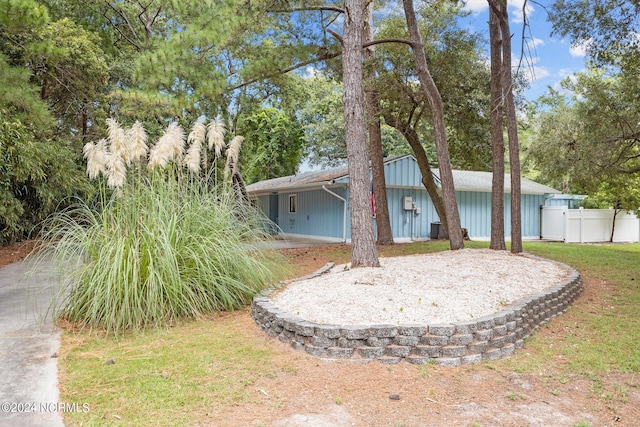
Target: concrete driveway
28, 373
292, 242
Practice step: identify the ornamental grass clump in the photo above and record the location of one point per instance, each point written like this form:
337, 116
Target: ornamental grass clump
162, 244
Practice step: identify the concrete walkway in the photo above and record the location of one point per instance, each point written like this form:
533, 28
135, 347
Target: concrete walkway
28, 374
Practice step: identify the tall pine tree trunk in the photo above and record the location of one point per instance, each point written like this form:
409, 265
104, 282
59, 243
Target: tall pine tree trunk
497, 135
364, 253
437, 113
385, 235
512, 132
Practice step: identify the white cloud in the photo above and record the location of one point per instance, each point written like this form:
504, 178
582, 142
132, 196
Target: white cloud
534, 73
311, 71
538, 42
564, 72
517, 13
579, 50
515, 6
476, 6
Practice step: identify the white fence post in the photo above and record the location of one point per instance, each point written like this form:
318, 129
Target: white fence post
565, 224
581, 224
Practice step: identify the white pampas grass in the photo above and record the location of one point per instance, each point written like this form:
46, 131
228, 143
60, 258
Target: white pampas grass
194, 155
96, 155
198, 133
116, 171
234, 148
233, 152
169, 147
216, 132
137, 143
117, 138
113, 155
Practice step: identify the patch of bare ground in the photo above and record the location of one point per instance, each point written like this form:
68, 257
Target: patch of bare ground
310, 392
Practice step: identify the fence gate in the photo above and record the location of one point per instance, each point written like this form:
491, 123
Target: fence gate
553, 223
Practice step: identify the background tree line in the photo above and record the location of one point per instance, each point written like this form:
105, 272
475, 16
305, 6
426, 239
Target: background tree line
272, 70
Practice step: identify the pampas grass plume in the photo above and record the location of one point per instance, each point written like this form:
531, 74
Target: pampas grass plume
234, 148
169, 147
96, 155
116, 170
198, 133
194, 154
216, 131
233, 152
116, 137
137, 143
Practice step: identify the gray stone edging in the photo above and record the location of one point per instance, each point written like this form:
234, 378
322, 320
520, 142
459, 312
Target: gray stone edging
466, 342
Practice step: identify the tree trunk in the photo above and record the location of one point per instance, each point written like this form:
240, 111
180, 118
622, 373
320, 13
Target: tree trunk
512, 132
437, 112
497, 136
364, 253
616, 211
429, 183
379, 197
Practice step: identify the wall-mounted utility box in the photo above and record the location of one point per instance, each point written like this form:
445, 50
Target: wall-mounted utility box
407, 203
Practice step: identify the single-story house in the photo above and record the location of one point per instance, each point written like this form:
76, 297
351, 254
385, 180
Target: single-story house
316, 204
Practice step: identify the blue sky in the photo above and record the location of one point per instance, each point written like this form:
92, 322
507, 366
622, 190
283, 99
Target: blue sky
549, 59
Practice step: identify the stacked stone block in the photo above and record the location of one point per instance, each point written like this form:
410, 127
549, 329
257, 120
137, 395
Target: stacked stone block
487, 338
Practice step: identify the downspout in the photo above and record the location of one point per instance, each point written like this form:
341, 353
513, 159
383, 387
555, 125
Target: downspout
344, 213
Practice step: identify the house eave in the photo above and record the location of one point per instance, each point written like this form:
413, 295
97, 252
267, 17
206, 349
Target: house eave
296, 188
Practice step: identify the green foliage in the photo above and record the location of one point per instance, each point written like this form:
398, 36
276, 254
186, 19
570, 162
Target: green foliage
20, 98
70, 69
273, 144
36, 175
158, 252
620, 193
607, 29
458, 68
21, 14
588, 135
165, 244
320, 112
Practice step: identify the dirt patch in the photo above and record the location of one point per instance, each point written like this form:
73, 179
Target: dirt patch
311, 392
15, 252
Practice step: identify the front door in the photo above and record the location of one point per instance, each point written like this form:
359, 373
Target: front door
273, 212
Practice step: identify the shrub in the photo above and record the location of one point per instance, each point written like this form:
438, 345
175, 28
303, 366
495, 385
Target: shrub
36, 175
161, 243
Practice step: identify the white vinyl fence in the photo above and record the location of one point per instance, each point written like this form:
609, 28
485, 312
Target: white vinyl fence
587, 225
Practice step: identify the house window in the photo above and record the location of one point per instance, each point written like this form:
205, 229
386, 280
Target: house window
293, 203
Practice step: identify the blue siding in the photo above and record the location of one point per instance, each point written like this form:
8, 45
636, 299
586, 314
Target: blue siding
321, 214
318, 213
403, 172
403, 221
531, 214
475, 212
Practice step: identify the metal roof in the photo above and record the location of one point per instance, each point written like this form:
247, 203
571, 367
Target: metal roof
482, 181
463, 181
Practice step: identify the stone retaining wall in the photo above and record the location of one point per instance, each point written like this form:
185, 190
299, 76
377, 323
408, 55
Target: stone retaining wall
486, 338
